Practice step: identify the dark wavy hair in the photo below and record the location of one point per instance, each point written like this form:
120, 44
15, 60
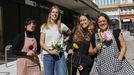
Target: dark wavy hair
79, 33
29, 21
105, 16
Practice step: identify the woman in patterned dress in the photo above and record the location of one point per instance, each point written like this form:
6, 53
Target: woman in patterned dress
26, 46
110, 60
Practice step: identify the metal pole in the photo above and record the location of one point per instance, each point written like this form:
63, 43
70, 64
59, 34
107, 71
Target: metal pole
7, 48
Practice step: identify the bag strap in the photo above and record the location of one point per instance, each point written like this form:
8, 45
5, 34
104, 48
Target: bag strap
116, 35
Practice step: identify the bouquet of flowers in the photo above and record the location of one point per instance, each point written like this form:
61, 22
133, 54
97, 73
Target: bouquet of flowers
57, 46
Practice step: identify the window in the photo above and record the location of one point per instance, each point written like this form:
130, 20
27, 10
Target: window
124, 1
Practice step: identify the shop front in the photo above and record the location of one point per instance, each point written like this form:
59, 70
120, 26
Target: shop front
127, 22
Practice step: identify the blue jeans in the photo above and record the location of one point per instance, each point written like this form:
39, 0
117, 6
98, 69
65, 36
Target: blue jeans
54, 64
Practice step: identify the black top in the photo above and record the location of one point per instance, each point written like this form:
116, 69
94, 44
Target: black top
18, 43
83, 56
83, 45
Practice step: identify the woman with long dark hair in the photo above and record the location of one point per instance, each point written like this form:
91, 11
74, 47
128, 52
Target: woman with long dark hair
79, 46
27, 47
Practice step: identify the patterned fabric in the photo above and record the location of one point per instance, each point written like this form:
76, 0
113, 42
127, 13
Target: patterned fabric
108, 64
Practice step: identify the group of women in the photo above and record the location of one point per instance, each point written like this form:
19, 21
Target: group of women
84, 47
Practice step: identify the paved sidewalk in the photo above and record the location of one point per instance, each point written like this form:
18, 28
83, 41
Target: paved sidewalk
10, 69
130, 52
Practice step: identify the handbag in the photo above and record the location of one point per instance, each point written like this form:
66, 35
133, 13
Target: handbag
86, 61
76, 59
79, 59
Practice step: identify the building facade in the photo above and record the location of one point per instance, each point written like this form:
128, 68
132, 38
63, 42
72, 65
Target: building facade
121, 12
14, 12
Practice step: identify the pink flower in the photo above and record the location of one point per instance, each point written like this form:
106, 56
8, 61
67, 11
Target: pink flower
107, 36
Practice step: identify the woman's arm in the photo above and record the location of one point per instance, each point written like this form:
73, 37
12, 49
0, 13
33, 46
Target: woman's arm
123, 47
92, 50
38, 45
18, 43
67, 37
68, 32
69, 41
42, 42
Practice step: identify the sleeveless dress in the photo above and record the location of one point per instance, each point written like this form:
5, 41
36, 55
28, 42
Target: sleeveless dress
107, 63
28, 65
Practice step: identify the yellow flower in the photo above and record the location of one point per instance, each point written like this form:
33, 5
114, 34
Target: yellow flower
75, 46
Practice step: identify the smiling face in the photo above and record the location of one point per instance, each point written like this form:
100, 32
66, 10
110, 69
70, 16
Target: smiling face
30, 27
102, 23
54, 14
84, 22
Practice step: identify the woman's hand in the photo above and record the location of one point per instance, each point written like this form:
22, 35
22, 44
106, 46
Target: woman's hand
99, 46
53, 51
80, 68
66, 40
70, 51
31, 53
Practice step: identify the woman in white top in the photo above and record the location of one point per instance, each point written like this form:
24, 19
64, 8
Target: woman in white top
52, 33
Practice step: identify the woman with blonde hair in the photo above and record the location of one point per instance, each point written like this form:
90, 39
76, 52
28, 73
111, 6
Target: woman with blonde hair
51, 37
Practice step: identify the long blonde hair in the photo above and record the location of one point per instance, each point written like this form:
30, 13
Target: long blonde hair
58, 22
79, 33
